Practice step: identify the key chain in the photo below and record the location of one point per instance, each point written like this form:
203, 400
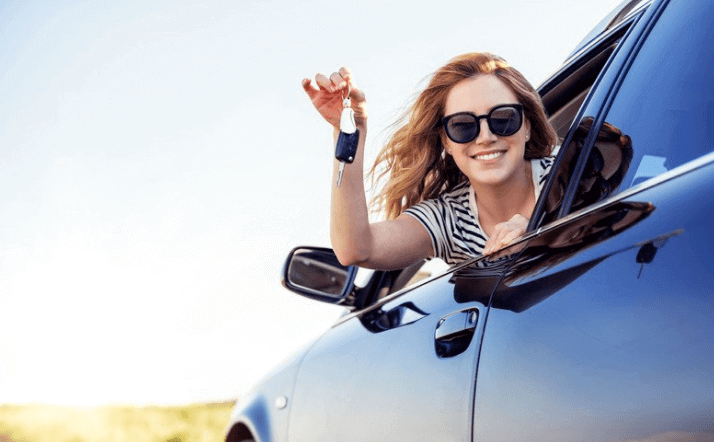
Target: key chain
349, 136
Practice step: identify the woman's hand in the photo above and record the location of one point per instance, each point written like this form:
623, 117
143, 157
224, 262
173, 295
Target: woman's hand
327, 97
504, 233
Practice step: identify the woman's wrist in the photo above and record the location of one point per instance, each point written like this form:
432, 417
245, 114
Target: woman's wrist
361, 127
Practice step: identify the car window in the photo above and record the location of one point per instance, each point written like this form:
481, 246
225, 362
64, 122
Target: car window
564, 93
563, 97
661, 115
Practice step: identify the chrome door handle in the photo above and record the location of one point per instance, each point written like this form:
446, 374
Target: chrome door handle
454, 332
456, 324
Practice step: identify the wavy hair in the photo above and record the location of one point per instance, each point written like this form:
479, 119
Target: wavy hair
414, 159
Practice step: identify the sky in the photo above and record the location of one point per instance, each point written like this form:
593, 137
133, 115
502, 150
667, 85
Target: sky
159, 160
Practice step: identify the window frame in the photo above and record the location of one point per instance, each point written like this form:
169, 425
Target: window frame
628, 37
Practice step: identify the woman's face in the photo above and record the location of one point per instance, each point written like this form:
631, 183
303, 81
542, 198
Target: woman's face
488, 160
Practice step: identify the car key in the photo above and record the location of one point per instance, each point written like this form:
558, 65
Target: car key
349, 136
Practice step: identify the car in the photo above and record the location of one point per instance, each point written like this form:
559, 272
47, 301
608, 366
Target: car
596, 325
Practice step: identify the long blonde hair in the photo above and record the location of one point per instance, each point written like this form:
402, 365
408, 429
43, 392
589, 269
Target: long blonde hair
414, 159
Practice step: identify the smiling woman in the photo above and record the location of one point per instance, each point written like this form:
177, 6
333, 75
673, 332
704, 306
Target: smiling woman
464, 172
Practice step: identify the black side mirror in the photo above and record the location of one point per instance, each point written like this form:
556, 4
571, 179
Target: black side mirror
316, 273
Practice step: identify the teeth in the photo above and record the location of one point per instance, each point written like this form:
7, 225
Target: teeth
488, 156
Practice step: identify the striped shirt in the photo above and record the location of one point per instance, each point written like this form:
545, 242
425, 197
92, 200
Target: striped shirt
452, 219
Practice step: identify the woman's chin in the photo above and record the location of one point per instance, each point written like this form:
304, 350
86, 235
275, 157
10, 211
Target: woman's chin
493, 176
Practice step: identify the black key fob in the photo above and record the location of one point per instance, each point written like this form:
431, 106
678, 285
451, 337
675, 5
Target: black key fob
347, 146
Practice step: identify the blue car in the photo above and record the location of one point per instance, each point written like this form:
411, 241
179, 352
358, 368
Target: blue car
597, 325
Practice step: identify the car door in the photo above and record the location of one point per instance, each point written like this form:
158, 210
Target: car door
602, 330
402, 369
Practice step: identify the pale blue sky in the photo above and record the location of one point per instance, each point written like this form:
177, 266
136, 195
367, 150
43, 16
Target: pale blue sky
158, 160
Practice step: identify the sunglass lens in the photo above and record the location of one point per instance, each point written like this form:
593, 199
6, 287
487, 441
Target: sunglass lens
462, 128
505, 121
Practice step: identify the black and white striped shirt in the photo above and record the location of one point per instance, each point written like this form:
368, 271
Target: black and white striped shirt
452, 218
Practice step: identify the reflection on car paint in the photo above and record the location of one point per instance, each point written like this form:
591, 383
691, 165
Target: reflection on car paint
379, 320
650, 166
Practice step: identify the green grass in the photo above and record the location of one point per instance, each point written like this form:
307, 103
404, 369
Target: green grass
51, 423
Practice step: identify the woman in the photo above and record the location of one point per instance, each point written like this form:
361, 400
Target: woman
464, 171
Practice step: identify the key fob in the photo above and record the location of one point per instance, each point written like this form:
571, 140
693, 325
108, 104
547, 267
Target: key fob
347, 146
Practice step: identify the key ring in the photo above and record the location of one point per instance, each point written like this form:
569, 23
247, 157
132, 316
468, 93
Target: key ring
349, 91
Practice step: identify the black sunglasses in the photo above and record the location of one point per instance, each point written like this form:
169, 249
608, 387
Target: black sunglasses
503, 120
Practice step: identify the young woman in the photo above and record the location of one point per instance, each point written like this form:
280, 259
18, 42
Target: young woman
464, 171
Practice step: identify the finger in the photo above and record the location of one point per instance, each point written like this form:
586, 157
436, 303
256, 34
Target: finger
517, 227
346, 73
496, 240
357, 95
509, 238
488, 247
518, 220
324, 83
338, 81
309, 89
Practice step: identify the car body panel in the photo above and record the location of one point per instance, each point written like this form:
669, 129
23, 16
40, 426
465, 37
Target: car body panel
623, 352
260, 412
370, 375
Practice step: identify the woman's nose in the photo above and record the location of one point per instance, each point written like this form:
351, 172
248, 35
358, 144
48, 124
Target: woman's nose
484, 135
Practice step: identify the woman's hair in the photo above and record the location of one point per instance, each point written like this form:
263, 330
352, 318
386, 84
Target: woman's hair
414, 158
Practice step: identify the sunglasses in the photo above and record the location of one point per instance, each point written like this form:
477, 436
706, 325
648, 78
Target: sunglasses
503, 120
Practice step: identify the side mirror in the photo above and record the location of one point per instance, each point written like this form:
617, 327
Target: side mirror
316, 273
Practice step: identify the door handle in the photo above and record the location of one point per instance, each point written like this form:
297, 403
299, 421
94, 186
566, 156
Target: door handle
454, 332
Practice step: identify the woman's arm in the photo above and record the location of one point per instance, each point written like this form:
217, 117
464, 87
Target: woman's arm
385, 245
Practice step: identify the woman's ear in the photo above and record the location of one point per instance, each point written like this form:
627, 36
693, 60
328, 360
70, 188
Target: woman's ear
445, 144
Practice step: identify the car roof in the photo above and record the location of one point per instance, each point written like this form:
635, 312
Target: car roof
619, 14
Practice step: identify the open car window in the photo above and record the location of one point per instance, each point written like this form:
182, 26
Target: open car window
565, 92
564, 95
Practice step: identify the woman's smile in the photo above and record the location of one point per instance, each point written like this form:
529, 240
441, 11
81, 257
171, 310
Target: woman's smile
488, 156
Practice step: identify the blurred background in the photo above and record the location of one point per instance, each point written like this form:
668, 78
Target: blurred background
159, 159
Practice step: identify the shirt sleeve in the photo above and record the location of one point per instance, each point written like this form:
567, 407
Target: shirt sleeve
432, 214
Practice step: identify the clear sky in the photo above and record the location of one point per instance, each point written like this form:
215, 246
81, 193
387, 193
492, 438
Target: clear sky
159, 159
